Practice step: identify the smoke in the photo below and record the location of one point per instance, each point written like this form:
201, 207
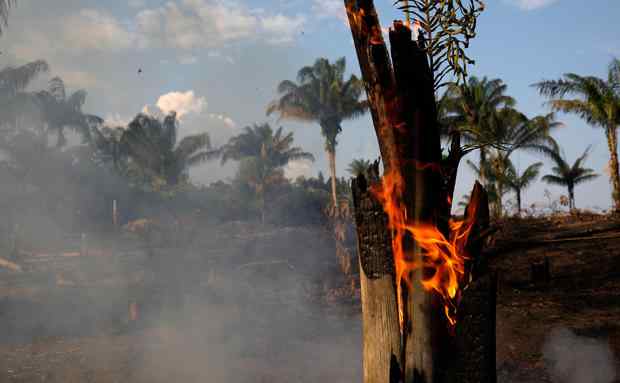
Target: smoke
577, 359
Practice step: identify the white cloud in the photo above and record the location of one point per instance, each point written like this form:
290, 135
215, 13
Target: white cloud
282, 29
182, 24
92, 29
528, 5
87, 30
330, 9
212, 23
182, 103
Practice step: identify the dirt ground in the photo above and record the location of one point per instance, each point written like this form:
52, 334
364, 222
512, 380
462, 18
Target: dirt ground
239, 329
583, 294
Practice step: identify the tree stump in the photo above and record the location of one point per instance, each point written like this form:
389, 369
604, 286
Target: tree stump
381, 333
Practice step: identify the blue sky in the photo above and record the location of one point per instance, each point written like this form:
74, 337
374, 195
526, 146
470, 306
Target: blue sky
221, 60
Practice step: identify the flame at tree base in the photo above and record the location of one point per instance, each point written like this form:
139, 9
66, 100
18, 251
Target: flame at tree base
441, 259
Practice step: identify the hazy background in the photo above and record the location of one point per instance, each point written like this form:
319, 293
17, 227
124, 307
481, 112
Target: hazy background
218, 63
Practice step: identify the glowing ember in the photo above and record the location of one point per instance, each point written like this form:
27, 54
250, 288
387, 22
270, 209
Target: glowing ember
444, 257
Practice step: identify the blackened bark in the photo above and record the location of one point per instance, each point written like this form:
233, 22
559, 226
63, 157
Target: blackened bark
381, 333
477, 211
475, 333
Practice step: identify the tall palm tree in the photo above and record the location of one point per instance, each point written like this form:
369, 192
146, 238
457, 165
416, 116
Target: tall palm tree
152, 145
358, 167
470, 108
568, 175
62, 111
518, 182
322, 95
598, 102
4, 12
262, 154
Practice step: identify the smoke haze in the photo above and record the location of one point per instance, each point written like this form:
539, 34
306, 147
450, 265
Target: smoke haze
578, 359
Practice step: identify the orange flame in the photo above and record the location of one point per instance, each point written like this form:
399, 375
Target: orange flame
445, 257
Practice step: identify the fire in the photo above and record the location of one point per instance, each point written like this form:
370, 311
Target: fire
443, 257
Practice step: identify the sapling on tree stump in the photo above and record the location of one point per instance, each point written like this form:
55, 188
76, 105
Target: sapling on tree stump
415, 261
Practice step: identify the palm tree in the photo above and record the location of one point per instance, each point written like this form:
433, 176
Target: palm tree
470, 109
358, 167
518, 182
510, 131
13, 82
322, 95
262, 154
61, 111
152, 145
260, 138
598, 102
4, 12
567, 175
108, 146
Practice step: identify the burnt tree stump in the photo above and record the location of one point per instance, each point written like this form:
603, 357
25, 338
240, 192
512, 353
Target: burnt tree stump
381, 333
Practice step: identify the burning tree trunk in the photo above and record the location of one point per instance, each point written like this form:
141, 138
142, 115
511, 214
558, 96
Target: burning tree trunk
404, 114
428, 249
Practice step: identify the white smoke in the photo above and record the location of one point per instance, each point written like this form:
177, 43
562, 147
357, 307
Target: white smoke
577, 359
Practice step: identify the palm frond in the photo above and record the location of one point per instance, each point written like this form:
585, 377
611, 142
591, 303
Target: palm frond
585, 178
614, 75
562, 87
577, 164
189, 145
201, 157
15, 79
582, 108
555, 180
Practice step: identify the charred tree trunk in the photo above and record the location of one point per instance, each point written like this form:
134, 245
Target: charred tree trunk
404, 112
475, 333
381, 333
403, 108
